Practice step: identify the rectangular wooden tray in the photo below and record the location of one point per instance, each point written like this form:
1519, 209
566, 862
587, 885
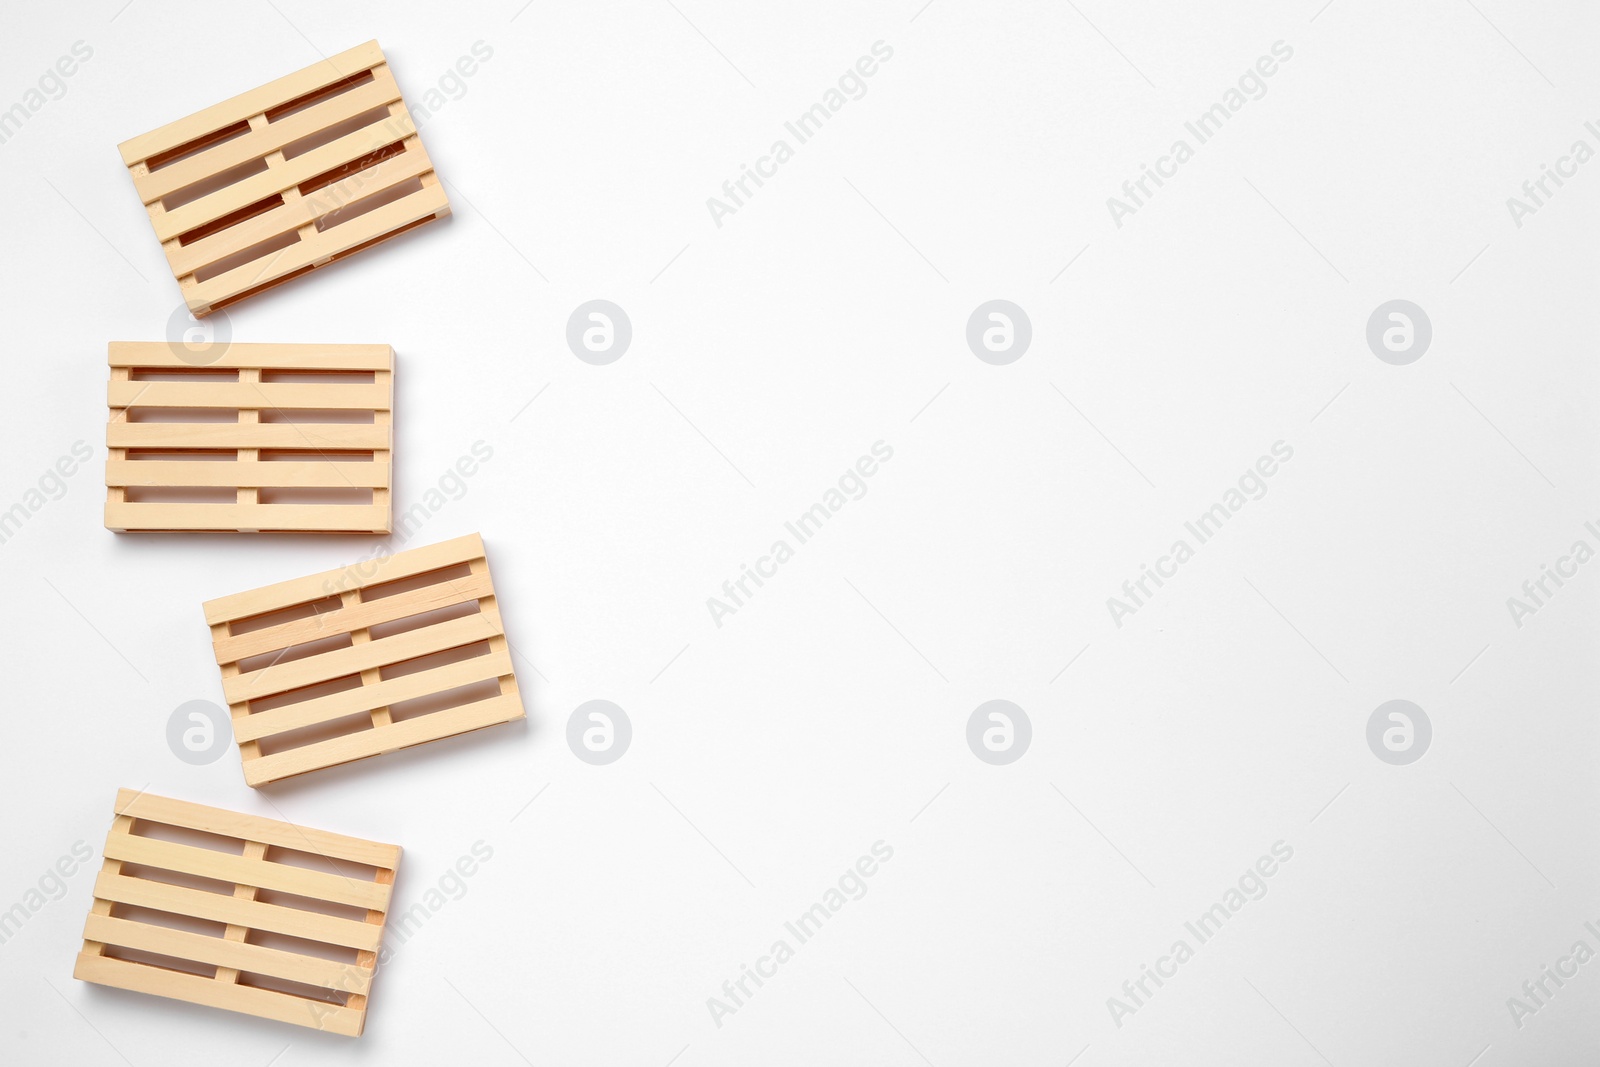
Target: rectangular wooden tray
277, 464
364, 660
283, 179
210, 924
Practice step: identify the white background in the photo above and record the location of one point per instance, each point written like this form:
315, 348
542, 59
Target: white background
830, 712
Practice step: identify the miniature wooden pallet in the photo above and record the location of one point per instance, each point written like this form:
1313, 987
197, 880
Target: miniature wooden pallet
285, 178
364, 660
279, 465
225, 924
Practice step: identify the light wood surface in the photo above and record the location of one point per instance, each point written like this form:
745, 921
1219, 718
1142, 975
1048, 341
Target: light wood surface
342, 456
285, 178
362, 876
340, 609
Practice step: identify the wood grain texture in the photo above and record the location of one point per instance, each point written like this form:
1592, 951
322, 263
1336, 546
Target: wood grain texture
335, 476
166, 947
285, 178
317, 670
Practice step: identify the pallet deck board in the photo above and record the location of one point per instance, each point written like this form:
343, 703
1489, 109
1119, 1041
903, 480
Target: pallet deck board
361, 648
165, 914
291, 176
178, 459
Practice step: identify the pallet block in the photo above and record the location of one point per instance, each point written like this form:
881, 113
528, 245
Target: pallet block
286, 178
278, 464
364, 660
227, 923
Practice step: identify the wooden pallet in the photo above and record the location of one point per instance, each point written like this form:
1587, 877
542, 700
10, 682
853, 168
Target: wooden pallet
364, 660
211, 924
286, 178
276, 465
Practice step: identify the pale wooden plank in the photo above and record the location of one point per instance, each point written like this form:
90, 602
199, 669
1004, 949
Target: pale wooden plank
115, 494
174, 436
354, 617
217, 951
158, 355
278, 474
244, 184
262, 1003
263, 98
251, 914
287, 594
262, 724
236, 824
233, 954
306, 396
253, 850
422, 204
297, 674
304, 518
278, 180
301, 213
358, 611
490, 606
206, 863
108, 866
245, 496
246, 396
383, 496
379, 740
358, 1001
265, 138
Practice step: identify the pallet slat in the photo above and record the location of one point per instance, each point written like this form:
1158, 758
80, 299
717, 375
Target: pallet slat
356, 701
293, 211
240, 179
248, 518
350, 457
241, 107
251, 356
262, 1003
297, 674
203, 948
355, 617
178, 900
148, 806
318, 716
391, 738
206, 863
258, 143
320, 249
248, 396
283, 474
233, 955
172, 436
313, 587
